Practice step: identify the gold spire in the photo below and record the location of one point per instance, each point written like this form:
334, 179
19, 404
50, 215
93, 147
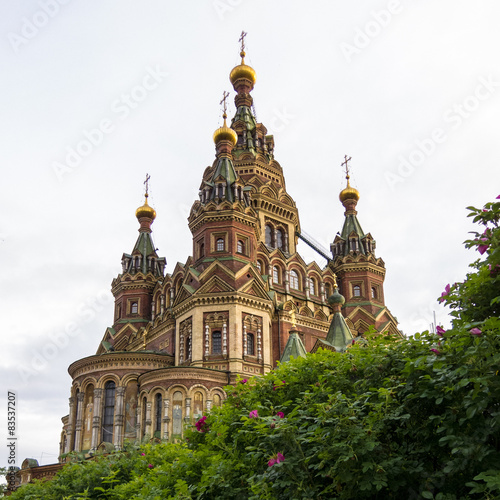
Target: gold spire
349, 193
146, 210
225, 133
242, 71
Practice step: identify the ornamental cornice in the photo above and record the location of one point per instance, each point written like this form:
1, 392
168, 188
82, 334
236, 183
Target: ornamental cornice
360, 267
119, 361
217, 299
176, 373
203, 218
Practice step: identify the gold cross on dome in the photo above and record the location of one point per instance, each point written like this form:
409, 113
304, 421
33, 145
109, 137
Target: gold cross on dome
242, 40
146, 182
335, 281
223, 103
345, 163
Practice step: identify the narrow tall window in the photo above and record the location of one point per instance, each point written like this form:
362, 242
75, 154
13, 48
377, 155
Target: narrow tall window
216, 342
220, 245
240, 247
259, 266
294, 280
276, 274
250, 344
158, 403
312, 286
134, 308
202, 250
109, 412
374, 293
328, 290
177, 414
357, 291
279, 239
269, 236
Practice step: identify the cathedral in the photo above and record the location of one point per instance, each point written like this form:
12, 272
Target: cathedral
243, 301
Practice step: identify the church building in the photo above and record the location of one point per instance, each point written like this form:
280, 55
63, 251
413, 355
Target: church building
244, 299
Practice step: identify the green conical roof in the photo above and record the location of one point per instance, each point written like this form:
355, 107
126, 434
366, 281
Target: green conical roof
339, 334
294, 347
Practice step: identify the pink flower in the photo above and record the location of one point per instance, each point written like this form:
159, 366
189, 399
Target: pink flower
244, 381
440, 330
435, 351
201, 425
279, 458
475, 331
280, 414
143, 454
253, 414
150, 466
278, 386
447, 289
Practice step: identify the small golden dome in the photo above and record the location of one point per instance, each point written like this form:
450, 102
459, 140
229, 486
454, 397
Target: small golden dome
225, 133
242, 71
349, 193
146, 211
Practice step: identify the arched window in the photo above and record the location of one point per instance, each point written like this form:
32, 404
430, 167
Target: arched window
269, 236
216, 342
280, 239
177, 414
328, 290
134, 308
294, 280
356, 290
220, 245
240, 247
217, 400
109, 412
144, 410
250, 344
312, 286
158, 403
276, 274
198, 405
259, 266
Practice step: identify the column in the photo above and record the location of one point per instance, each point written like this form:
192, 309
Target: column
187, 418
138, 423
96, 420
181, 348
79, 421
69, 432
147, 427
286, 242
207, 341
162, 303
259, 344
245, 340
287, 281
307, 284
119, 417
224, 339
166, 418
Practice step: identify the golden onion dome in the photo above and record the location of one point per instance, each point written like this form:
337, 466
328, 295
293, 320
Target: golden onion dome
243, 71
146, 211
349, 193
225, 133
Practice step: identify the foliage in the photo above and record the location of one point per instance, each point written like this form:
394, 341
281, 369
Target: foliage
392, 418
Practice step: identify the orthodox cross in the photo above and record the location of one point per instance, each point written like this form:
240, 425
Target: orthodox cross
345, 163
146, 182
242, 40
223, 103
335, 279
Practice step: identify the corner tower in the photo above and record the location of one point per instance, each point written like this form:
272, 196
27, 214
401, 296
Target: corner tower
360, 272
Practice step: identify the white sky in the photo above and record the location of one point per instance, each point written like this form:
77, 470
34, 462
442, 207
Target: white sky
381, 81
